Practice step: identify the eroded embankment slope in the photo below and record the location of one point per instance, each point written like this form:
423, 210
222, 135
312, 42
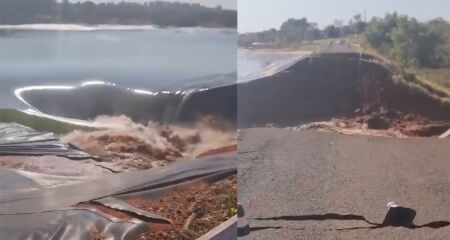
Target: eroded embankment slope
331, 85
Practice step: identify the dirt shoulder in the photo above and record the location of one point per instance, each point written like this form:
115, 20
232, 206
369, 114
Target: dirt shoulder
398, 125
193, 210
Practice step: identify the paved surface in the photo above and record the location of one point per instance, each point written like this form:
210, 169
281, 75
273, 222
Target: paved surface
337, 46
306, 175
256, 64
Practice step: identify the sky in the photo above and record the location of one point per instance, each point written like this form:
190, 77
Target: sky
229, 4
258, 15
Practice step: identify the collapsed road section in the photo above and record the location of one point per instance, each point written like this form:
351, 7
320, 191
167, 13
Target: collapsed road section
326, 142
78, 198
344, 93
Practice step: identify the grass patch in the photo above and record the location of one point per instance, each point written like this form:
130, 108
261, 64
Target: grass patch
434, 83
439, 77
422, 87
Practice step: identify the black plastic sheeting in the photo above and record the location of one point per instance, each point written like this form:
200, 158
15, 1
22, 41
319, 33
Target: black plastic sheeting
69, 224
16, 139
11, 180
128, 182
31, 211
48, 213
91, 101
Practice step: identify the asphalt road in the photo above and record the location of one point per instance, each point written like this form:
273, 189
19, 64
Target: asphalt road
339, 47
313, 181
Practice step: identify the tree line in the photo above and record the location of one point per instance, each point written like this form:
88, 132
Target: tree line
299, 30
410, 42
403, 39
87, 12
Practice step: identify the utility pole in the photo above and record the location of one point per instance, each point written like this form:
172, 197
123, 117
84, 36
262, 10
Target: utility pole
360, 45
365, 15
365, 25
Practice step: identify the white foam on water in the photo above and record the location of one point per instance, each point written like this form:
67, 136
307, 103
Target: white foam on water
78, 122
140, 91
93, 83
193, 30
76, 27
19, 91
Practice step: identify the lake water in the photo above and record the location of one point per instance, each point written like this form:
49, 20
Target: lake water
255, 64
147, 59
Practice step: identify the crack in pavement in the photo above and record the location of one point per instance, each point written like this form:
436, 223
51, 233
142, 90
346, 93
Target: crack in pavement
318, 217
344, 217
254, 229
252, 151
434, 225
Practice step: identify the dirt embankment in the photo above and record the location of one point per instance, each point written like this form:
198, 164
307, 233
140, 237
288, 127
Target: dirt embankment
345, 93
193, 210
401, 125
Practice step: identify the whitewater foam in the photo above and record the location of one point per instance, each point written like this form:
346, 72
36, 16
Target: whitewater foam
127, 139
77, 27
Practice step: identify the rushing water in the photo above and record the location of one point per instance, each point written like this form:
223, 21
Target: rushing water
147, 59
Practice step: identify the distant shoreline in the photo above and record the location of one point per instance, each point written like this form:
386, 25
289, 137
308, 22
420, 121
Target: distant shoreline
124, 13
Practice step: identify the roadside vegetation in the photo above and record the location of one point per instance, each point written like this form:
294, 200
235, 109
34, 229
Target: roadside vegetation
295, 31
410, 43
419, 50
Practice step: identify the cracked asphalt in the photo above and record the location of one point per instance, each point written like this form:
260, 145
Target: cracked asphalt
295, 175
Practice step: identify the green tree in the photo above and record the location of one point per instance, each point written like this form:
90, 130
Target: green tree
356, 24
154, 12
330, 32
409, 42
